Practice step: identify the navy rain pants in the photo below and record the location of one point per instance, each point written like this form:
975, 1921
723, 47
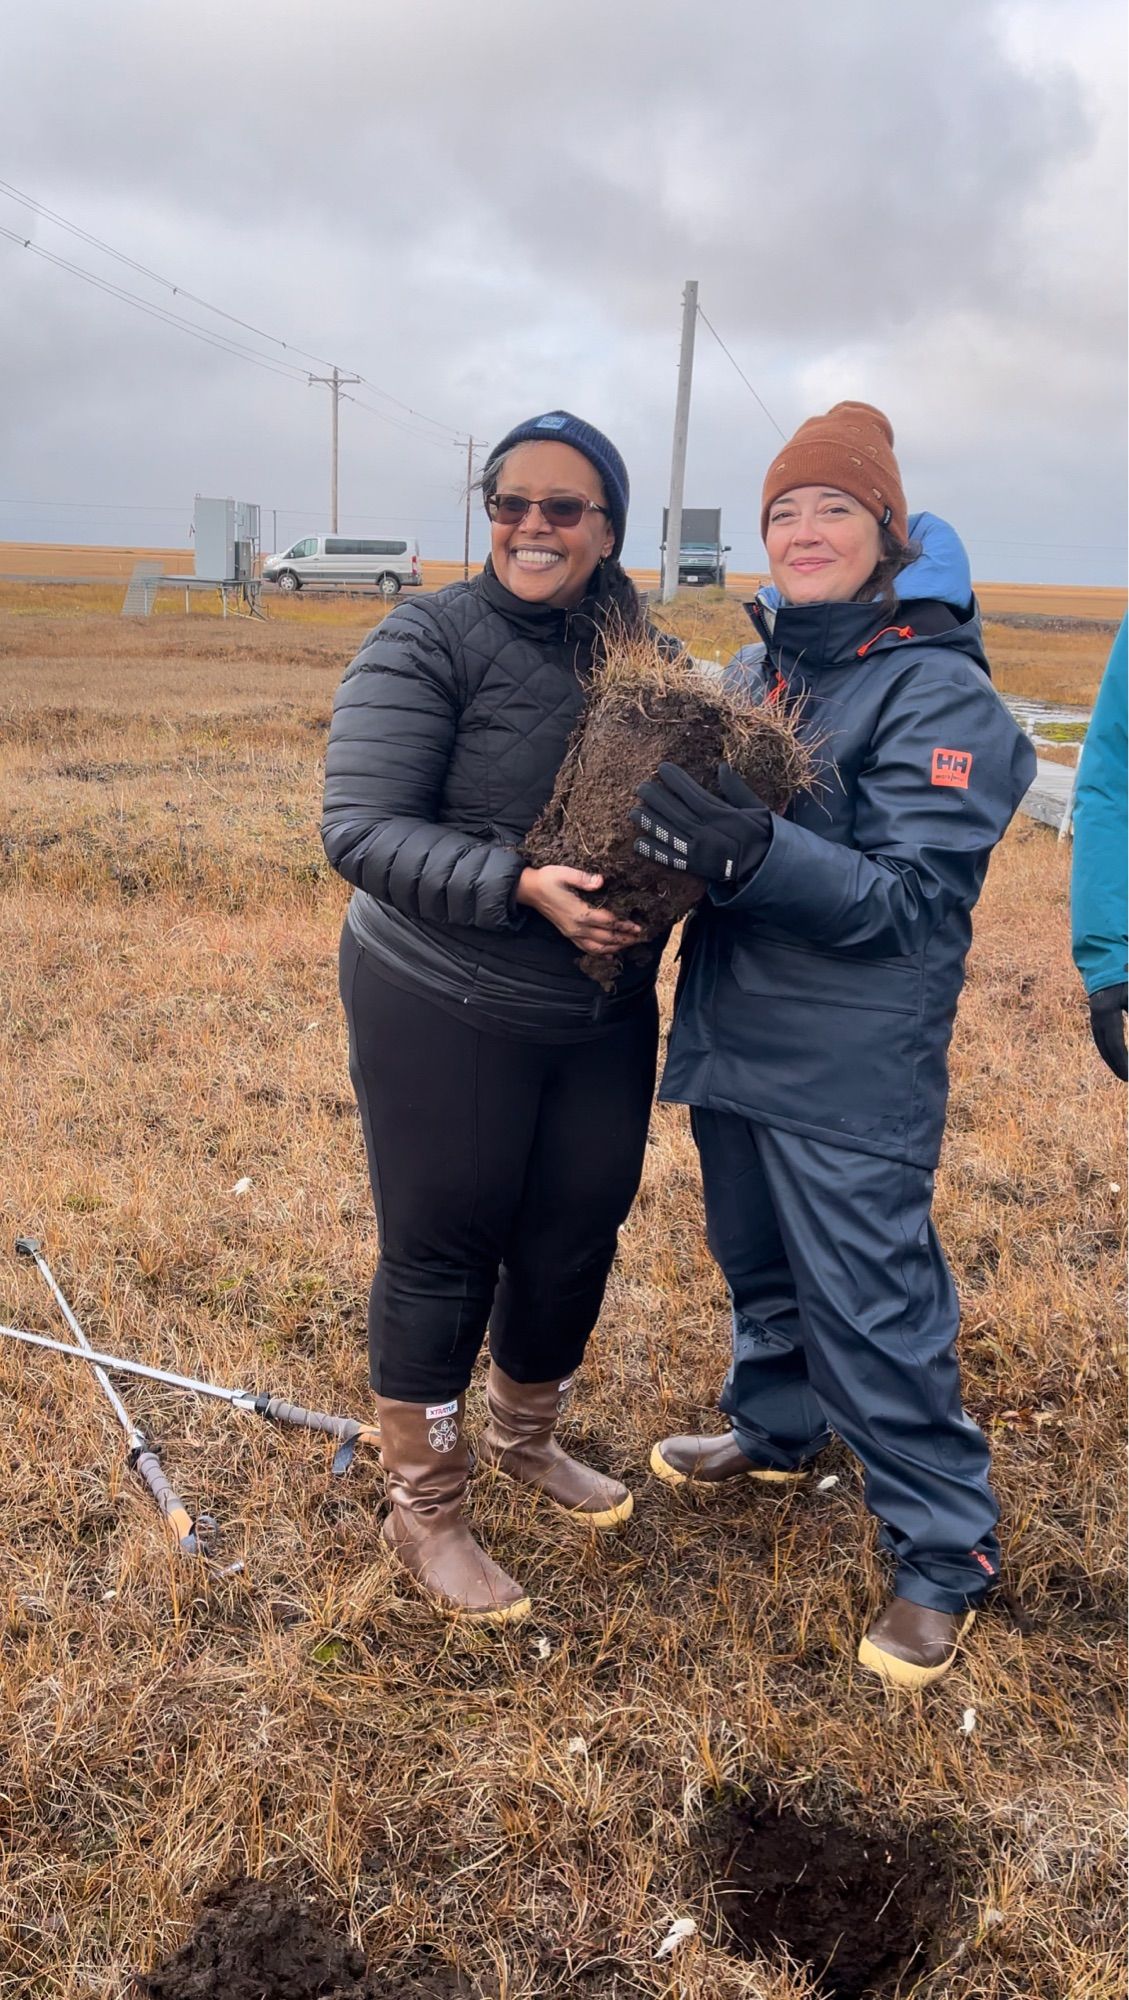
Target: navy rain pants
845, 1319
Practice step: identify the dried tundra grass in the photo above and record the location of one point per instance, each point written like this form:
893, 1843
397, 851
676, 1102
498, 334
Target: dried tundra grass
163, 1726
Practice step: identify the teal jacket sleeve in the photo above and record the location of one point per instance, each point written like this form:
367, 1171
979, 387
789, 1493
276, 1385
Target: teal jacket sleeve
1099, 882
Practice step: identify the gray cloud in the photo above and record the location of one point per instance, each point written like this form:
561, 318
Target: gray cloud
487, 210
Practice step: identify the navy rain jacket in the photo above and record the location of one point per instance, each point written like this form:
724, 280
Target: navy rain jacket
820, 996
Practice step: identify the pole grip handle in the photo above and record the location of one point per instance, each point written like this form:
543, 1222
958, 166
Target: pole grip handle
183, 1527
348, 1432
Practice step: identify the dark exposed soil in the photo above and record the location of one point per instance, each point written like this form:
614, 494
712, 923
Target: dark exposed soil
256, 1941
623, 739
859, 1908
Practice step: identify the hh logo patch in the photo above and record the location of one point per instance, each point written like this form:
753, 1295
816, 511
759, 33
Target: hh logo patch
951, 767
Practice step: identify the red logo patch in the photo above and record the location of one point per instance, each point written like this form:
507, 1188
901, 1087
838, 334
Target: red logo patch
952, 767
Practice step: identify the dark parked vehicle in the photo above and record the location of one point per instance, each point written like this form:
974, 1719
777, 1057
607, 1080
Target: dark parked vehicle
699, 564
701, 558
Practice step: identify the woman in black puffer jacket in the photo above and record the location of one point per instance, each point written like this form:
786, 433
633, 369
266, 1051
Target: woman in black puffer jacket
504, 1096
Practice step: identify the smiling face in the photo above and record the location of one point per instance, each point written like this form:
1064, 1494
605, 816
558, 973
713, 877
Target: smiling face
822, 545
542, 564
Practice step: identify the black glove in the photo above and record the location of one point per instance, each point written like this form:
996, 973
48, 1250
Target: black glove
720, 840
1107, 1020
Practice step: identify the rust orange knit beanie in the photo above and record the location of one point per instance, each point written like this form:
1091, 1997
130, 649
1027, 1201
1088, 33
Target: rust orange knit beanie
852, 447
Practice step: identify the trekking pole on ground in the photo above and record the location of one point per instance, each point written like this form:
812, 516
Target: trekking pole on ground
186, 1529
346, 1430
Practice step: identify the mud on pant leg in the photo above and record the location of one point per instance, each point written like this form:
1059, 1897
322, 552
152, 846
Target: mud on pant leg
448, 1113
584, 1168
777, 1418
880, 1318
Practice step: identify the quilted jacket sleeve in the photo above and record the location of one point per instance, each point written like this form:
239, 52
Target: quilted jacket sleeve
925, 826
395, 717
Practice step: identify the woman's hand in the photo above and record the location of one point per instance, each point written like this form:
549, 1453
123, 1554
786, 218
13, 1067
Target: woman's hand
553, 892
718, 839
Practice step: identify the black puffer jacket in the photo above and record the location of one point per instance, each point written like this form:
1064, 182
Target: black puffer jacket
448, 731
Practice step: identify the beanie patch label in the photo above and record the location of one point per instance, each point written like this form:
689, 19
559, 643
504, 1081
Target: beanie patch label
552, 423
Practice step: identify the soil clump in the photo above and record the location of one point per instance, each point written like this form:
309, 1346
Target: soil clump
257, 1941
858, 1907
646, 708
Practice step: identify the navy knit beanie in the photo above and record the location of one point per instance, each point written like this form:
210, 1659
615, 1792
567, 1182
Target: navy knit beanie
561, 427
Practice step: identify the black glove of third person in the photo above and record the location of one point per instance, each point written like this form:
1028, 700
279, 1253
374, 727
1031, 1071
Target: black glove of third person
1107, 1020
684, 826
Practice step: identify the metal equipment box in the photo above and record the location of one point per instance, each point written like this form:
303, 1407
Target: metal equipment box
226, 534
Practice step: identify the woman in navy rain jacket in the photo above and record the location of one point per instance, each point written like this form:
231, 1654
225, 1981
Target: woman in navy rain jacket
819, 985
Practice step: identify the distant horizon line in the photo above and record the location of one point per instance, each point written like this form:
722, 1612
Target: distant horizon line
645, 573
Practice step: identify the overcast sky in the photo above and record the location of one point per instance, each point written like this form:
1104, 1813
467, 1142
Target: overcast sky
488, 210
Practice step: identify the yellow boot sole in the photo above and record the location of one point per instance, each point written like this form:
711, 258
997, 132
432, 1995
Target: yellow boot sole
608, 1518
767, 1474
905, 1673
505, 1614
502, 1614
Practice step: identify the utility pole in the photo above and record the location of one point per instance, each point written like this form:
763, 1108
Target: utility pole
334, 384
673, 549
466, 533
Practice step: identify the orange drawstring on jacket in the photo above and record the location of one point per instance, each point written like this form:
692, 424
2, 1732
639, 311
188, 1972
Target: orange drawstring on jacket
901, 631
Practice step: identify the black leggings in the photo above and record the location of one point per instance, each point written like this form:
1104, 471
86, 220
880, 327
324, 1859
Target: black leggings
501, 1170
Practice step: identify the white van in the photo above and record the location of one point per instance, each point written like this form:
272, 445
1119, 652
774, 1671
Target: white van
346, 559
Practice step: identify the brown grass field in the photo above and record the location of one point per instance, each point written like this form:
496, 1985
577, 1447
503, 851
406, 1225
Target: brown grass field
492, 1817
55, 559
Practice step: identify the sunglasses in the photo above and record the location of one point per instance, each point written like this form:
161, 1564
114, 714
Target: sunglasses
558, 510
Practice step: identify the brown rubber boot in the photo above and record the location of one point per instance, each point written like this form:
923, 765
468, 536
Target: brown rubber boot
426, 1471
710, 1461
910, 1646
518, 1441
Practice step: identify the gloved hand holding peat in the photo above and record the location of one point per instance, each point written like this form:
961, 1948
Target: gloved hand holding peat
685, 826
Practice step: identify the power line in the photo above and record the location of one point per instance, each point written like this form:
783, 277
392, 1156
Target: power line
223, 341
453, 436
453, 443
105, 506
757, 399
143, 270
174, 510
181, 291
